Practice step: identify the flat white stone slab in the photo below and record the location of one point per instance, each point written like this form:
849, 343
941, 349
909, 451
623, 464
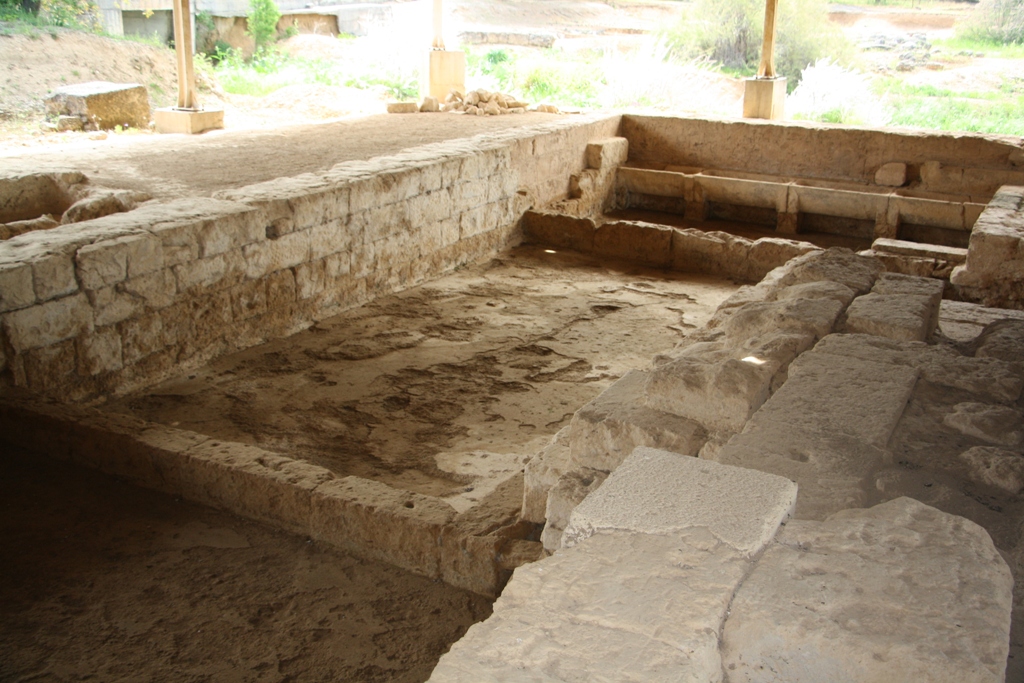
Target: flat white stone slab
852, 396
657, 492
900, 592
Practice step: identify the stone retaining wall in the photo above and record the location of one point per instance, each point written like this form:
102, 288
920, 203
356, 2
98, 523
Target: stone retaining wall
974, 166
108, 305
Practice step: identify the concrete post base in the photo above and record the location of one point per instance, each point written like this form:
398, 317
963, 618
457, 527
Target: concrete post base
764, 98
446, 72
170, 120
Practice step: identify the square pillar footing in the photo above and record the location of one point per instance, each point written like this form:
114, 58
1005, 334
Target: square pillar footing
764, 98
170, 120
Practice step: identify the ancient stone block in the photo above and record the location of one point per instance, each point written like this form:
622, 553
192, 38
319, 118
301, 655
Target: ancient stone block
892, 174
375, 521
998, 425
158, 289
53, 275
606, 430
898, 592
892, 316
813, 317
16, 287
995, 467
1003, 339
657, 492
838, 265
104, 104
541, 474
833, 470
859, 398
100, 352
112, 305
571, 489
48, 323
607, 153
403, 108
142, 336
645, 243
715, 388
102, 264
696, 251
556, 230
252, 482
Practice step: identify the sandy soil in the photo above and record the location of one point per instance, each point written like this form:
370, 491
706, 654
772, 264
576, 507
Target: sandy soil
107, 582
445, 389
168, 166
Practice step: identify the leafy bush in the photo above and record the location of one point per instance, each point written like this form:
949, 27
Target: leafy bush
70, 13
1000, 21
730, 32
262, 21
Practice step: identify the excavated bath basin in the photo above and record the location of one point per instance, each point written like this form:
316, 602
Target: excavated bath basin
447, 389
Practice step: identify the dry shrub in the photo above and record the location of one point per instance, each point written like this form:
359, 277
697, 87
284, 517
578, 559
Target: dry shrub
1000, 21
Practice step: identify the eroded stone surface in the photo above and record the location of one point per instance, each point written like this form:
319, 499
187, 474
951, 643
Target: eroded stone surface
900, 592
994, 424
995, 467
657, 492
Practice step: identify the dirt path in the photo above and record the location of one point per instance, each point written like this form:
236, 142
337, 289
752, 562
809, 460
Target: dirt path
169, 166
445, 389
104, 581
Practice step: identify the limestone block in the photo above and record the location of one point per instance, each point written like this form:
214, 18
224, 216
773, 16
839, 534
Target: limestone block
104, 104
989, 378
102, 264
645, 243
16, 288
559, 231
899, 592
720, 395
895, 316
995, 467
606, 430
100, 352
623, 607
657, 492
696, 251
851, 396
142, 337
1003, 339
376, 521
836, 264
814, 317
53, 275
252, 482
825, 289
654, 183
288, 251
998, 425
571, 489
403, 108
892, 174
48, 323
541, 474
157, 290
607, 154
833, 470
430, 105
112, 305
768, 253
934, 251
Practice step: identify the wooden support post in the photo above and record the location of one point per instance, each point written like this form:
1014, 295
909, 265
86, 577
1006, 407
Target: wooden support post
187, 117
767, 67
438, 43
764, 97
183, 52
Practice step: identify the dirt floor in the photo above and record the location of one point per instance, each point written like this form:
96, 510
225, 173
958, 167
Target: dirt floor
448, 388
103, 581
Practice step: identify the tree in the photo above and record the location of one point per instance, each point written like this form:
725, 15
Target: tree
262, 22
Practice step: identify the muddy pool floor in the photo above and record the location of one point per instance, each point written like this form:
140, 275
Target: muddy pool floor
445, 389
103, 581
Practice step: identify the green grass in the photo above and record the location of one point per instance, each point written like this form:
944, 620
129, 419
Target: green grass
989, 48
936, 108
540, 76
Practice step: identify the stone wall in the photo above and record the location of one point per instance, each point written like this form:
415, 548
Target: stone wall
108, 305
952, 164
994, 271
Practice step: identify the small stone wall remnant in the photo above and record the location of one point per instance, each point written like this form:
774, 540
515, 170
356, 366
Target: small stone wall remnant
994, 272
